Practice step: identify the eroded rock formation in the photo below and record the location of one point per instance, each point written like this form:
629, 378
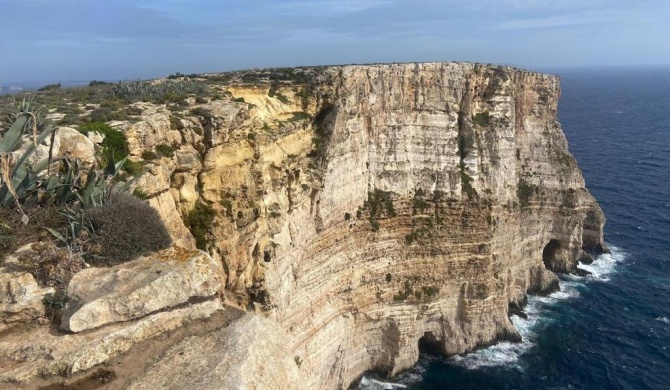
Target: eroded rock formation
414, 201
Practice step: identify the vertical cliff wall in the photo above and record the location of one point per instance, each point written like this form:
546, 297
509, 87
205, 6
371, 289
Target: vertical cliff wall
366, 209
392, 204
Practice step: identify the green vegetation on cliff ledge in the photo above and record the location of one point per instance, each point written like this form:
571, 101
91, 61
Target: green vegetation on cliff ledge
524, 192
482, 119
198, 221
379, 204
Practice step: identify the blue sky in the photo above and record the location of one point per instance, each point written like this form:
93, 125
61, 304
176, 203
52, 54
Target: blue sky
60, 40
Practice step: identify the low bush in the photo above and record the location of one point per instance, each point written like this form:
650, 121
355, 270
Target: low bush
198, 221
115, 142
126, 227
165, 150
104, 114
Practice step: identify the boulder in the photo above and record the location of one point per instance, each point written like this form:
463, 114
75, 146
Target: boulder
166, 279
20, 295
73, 144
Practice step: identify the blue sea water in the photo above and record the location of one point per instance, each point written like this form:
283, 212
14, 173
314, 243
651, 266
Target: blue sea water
610, 330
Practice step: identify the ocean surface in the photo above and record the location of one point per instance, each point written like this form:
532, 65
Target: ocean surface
610, 330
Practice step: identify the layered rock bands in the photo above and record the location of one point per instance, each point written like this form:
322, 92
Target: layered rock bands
417, 201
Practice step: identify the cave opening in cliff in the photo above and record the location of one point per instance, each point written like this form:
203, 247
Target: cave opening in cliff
431, 345
549, 252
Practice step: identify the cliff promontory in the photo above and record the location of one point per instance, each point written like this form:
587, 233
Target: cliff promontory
360, 211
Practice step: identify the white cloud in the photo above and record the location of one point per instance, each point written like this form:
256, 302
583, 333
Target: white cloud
582, 18
332, 7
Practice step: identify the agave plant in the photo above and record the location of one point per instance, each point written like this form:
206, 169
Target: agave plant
20, 178
25, 106
76, 195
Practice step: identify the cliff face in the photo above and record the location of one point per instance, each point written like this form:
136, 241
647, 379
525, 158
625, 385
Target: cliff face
362, 210
415, 203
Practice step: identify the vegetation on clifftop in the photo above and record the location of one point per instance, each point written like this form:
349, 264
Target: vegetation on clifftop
77, 212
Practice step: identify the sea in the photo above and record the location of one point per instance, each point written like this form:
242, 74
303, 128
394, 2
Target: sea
610, 330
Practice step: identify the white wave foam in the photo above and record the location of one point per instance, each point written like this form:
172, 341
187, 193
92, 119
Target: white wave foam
374, 384
663, 319
604, 265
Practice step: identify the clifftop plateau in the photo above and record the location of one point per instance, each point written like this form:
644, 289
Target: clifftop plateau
356, 212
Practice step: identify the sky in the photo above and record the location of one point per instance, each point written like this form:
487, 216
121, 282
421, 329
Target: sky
65, 40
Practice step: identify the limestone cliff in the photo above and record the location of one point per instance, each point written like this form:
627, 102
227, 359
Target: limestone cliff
379, 205
363, 209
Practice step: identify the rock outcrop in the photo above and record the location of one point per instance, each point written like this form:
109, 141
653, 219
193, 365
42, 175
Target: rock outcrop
165, 280
249, 354
20, 295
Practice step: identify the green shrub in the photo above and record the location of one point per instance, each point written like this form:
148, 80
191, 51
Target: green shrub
201, 100
112, 104
131, 110
347, 216
104, 114
198, 221
149, 155
200, 111
115, 142
138, 193
95, 83
165, 150
283, 98
430, 291
134, 168
70, 120
126, 227
466, 184
482, 119
239, 100
524, 192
